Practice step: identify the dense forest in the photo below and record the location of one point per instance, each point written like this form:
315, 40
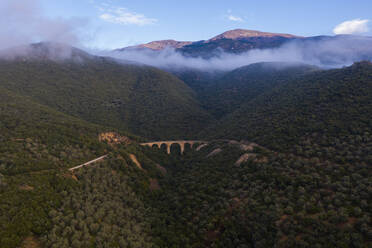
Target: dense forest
37, 144
240, 86
102, 210
287, 163
34, 137
271, 200
334, 103
140, 99
208, 199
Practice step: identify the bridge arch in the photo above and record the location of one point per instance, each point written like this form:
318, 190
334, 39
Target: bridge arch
175, 148
188, 147
163, 147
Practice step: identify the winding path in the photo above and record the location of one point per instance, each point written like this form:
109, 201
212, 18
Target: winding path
88, 163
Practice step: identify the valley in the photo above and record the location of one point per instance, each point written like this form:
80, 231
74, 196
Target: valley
100, 152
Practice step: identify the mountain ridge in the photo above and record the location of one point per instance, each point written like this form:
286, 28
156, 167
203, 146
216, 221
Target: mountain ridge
317, 50
158, 45
230, 34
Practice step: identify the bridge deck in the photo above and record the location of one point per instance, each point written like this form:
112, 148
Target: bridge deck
168, 143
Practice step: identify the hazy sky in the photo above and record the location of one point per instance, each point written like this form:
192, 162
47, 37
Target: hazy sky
107, 24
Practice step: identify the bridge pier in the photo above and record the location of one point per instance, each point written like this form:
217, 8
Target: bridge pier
182, 147
168, 148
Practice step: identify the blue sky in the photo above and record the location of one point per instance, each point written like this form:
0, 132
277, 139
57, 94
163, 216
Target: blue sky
118, 23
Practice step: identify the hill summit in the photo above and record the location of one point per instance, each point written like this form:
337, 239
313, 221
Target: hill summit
244, 33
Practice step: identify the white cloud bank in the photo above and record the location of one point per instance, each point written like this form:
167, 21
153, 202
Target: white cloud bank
356, 26
327, 52
123, 16
235, 18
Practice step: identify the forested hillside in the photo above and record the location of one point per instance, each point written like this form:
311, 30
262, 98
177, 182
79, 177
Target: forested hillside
332, 103
34, 137
37, 145
214, 198
140, 99
242, 85
304, 182
206, 199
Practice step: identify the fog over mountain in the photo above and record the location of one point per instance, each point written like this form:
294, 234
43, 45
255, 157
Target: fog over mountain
24, 22
323, 51
227, 51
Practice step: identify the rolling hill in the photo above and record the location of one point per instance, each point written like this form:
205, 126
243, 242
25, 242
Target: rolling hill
136, 98
35, 137
334, 103
37, 146
242, 85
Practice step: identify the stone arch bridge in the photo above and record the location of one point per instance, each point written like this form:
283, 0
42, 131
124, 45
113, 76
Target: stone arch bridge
169, 143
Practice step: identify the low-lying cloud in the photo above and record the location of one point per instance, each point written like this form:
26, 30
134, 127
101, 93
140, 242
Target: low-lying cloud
23, 22
324, 52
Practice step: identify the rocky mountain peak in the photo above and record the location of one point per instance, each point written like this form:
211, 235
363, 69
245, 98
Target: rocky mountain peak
244, 33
